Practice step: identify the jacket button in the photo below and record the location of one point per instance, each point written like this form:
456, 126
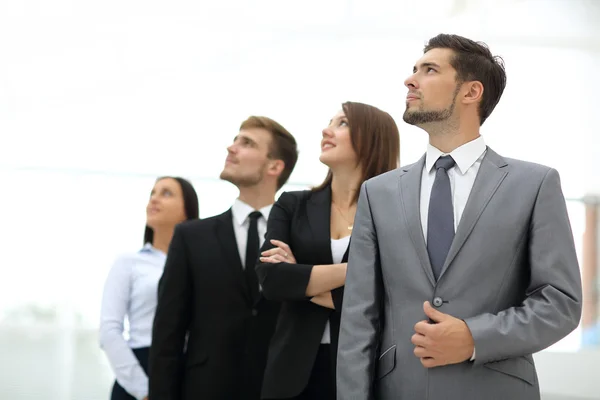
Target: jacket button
437, 302
254, 312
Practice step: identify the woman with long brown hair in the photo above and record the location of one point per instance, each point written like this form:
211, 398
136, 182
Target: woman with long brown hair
304, 256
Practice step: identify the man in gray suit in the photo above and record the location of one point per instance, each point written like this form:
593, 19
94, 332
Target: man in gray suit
461, 265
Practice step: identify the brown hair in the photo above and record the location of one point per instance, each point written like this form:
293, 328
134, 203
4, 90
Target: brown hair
375, 139
283, 146
473, 61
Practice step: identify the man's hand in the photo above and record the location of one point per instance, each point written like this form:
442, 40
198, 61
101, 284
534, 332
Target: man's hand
448, 341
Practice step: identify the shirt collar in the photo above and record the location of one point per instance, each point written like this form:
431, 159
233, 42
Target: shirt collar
464, 156
241, 211
148, 248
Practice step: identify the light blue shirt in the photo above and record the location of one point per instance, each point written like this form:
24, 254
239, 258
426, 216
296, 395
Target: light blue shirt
130, 292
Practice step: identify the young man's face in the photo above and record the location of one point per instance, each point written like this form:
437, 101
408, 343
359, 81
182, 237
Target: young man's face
432, 88
248, 157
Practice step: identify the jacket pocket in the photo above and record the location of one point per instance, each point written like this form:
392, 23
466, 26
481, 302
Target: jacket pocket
518, 367
196, 357
386, 362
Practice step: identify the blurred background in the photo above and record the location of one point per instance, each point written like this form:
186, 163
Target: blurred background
98, 98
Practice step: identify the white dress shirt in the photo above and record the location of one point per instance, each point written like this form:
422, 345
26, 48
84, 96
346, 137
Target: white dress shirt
130, 292
462, 177
241, 223
338, 249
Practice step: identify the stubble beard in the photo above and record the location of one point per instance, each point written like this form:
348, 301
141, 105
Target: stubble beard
420, 117
243, 181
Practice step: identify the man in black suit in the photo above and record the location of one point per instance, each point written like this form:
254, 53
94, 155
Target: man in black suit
209, 293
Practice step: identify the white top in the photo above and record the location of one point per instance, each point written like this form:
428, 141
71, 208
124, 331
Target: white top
241, 223
130, 291
338, 249
462, 177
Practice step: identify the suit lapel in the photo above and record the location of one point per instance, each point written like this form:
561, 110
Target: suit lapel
345, 257
319, 217
490, 176
410, 193
226, 235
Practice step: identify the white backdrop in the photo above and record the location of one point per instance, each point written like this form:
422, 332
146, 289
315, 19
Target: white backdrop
99, 98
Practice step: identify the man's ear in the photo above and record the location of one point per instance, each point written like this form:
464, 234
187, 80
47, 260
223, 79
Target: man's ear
472, 92
275, 167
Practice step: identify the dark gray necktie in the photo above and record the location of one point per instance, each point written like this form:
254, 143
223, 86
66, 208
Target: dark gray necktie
440, 222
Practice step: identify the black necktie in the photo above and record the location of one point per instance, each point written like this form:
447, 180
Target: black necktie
252, 249
440, 222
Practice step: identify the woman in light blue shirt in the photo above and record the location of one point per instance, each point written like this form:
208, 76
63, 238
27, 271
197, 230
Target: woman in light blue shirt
131, 288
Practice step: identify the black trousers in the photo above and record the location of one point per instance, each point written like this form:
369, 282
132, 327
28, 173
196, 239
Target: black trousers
321, 384
118, 393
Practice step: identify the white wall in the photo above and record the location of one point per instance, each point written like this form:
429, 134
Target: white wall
98, 98
569, 374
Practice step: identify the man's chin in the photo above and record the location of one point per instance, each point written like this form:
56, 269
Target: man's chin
420, 118
409, 118
239, 181
226, 177
232, 179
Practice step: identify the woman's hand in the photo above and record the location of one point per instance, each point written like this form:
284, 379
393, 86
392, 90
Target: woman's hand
280, 253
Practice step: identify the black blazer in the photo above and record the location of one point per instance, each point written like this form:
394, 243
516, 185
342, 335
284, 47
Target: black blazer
302, 220
203, 295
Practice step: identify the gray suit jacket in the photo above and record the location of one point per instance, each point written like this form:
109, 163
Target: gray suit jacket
511, 274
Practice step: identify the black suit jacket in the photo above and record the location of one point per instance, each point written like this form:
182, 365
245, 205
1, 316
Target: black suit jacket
302, 220
203, 296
